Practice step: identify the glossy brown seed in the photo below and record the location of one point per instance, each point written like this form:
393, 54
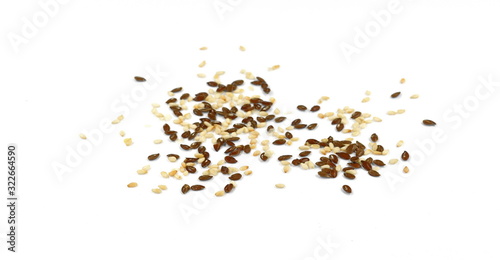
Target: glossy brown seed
336, 121
263, 157
191, 169
235, 177
200, 96
153, 156
185, 188
366, 165
197, 187
270, 128
300, 126
224, 170
284, 157
395, 94
279, 142
373, 173
238, 82
356, 115
349, 176
256, 82
347, 189
173, 137
205, 163
354, 165
312, 126
176, 156
315, 108
247, 148
333, 158
295, 162
228, 188
378, 162
175, 90
230, 159
213, 84
184, 96
428, 122
217, 146
301, 107
304, 153
185, 147
344, 156
190, 159
296, 121
405, 156
205, 177
186, 134
288, 135
380, 148
171, 100
279, 119
312, 141
139, 79
339, 127
374, 137
195, 145
166, 128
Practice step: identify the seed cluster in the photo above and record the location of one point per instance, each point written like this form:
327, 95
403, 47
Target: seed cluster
221, 115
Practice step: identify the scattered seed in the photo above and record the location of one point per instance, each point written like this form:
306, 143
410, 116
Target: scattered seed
220, 193
315, 108
414, 96
205, 177
280, 185
405, 156
400, 143
374, 137
185, 188
157, 191
373, 173
428, 122
242, 48
162, 187
132, 185
284, 157
349, 175
230, 159
228, 188
279, 142
406, 169
393, 161
356, 115
128, 141
139, 79
175, 90
379, 162
235, 177
402, 81
312, 126
347, 189
197, 187
153, 156
395, 95
301, 107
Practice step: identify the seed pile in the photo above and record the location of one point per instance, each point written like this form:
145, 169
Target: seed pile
222, 115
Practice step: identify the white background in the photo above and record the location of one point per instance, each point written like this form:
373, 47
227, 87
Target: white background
66, 78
